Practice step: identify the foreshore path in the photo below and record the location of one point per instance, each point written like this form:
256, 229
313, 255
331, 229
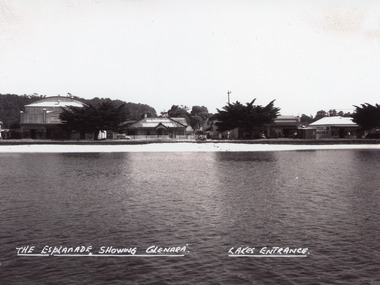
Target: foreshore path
155, 141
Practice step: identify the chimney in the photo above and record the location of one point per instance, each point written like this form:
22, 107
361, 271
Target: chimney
44, 115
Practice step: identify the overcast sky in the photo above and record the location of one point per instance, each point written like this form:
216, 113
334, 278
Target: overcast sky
308, 55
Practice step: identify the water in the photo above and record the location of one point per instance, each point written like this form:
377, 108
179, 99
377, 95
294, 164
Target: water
326, 201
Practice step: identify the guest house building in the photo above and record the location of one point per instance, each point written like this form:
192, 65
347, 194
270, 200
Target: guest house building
40, 120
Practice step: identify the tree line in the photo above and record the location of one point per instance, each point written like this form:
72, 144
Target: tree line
12, 104
106, 114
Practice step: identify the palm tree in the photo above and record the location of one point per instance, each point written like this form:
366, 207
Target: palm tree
367, 116
249, 118
94, 118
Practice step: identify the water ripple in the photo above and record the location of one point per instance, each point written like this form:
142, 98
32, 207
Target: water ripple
327, 201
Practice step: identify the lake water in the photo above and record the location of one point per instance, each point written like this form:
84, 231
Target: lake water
327, 201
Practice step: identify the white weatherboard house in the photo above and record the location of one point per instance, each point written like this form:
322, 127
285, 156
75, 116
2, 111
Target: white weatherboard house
333, 127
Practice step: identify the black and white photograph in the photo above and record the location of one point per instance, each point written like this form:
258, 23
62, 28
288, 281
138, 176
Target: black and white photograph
190, 142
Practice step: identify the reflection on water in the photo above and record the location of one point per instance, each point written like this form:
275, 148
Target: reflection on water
327, 201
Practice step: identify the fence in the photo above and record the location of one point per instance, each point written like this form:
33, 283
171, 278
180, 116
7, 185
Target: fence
176, 137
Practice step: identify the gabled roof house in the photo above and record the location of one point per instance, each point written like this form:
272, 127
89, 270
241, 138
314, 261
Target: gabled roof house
161, 126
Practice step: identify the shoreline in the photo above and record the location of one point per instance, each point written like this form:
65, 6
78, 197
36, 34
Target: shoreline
174, 141
183, 146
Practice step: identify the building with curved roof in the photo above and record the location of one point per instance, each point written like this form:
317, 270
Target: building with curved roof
40, 120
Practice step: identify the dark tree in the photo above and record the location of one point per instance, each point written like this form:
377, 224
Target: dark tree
198, 116
200, 111
248, 118
231, 117
320, 114
136, 111
106, 115
195, 118
367, 116
180, 112
305, 119
342, 114
347, 114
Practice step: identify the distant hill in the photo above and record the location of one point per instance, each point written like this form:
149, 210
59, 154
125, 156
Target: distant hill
12, 104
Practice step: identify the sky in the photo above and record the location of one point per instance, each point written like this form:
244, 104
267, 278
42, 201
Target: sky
307, 55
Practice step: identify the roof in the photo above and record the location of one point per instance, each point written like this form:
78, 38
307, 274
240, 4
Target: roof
334, 121
56, 101
287, 117
155, 122
286, 121
182, 121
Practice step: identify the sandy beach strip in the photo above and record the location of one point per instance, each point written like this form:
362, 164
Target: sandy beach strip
178, 147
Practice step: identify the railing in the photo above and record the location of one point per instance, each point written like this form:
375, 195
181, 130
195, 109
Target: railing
39, 119
143, 137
